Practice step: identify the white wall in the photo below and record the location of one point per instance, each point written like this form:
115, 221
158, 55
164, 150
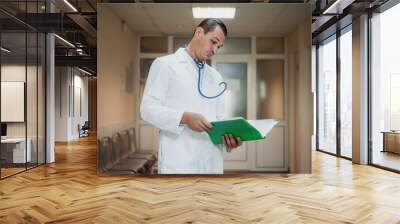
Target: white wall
61, 103
116, 99
67, 81
80, 82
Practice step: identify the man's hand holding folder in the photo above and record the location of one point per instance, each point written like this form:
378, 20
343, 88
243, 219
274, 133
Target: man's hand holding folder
240, 128
231, 142
197, 122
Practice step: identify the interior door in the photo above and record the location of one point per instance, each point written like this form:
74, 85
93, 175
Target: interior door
270, 154
235, 72
256, 90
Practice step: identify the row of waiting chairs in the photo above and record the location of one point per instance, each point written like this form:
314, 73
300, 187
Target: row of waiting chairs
119, 155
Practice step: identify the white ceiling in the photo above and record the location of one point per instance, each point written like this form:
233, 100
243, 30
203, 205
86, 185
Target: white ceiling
261, 19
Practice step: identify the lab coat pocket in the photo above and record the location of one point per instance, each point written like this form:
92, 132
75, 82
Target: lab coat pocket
210, 109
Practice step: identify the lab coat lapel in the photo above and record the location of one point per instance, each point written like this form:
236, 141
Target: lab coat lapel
183, 57
207, 85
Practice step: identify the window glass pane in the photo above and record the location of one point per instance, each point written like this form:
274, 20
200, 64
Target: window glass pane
236, 45
270, 89
32, 7
14, 5
385, 88
394, 101
233, 45
180, 42
154, 44
235, 75
270, 45
327, 96
9, 24
22, 89
13, 87
346, 94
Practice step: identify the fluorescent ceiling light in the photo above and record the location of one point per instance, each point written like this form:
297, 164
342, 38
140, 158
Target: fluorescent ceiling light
337, 7
65, 41
70, 5
5, 50
223, 13
84, 71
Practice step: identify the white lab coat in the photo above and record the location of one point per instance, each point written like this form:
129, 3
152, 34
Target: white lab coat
170, 90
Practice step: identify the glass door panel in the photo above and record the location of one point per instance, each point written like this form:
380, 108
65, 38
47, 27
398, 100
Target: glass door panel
385, 89
235, 75
14, 153
270, 89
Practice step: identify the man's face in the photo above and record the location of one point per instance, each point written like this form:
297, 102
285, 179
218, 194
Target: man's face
209, 43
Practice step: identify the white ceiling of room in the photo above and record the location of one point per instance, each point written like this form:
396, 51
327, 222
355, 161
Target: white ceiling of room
261, 19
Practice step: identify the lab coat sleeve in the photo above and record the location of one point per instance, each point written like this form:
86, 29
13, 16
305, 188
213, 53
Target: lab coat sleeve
152, 107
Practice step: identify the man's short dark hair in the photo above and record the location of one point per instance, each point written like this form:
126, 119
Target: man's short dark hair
210, 24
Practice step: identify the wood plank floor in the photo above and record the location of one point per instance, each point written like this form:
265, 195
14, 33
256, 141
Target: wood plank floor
70, 191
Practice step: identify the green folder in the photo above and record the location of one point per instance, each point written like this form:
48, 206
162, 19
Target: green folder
241, 128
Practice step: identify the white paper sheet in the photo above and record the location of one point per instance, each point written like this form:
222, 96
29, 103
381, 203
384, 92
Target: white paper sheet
263, 126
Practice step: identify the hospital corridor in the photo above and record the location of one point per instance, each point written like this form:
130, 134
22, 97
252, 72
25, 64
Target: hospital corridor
161, 111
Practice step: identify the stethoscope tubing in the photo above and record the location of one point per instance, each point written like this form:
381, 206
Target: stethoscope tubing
200, 66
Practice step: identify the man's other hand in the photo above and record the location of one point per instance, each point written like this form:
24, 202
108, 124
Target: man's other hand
231, 142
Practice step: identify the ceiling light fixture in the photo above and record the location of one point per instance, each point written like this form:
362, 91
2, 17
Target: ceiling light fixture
65, 41
207, 12
84, 71
5, 50
79, 51
337, 7
70, 5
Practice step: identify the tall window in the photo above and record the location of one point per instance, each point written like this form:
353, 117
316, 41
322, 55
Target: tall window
334, 94
326, 109
346, 92
385, 88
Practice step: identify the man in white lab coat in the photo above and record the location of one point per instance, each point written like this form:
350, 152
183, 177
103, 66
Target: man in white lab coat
181, 102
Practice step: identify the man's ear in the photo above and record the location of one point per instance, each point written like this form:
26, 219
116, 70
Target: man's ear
199, 31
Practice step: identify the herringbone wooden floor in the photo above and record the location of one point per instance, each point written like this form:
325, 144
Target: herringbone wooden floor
70, 191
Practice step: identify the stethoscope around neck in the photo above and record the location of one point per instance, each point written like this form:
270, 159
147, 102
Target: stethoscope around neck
200, 66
